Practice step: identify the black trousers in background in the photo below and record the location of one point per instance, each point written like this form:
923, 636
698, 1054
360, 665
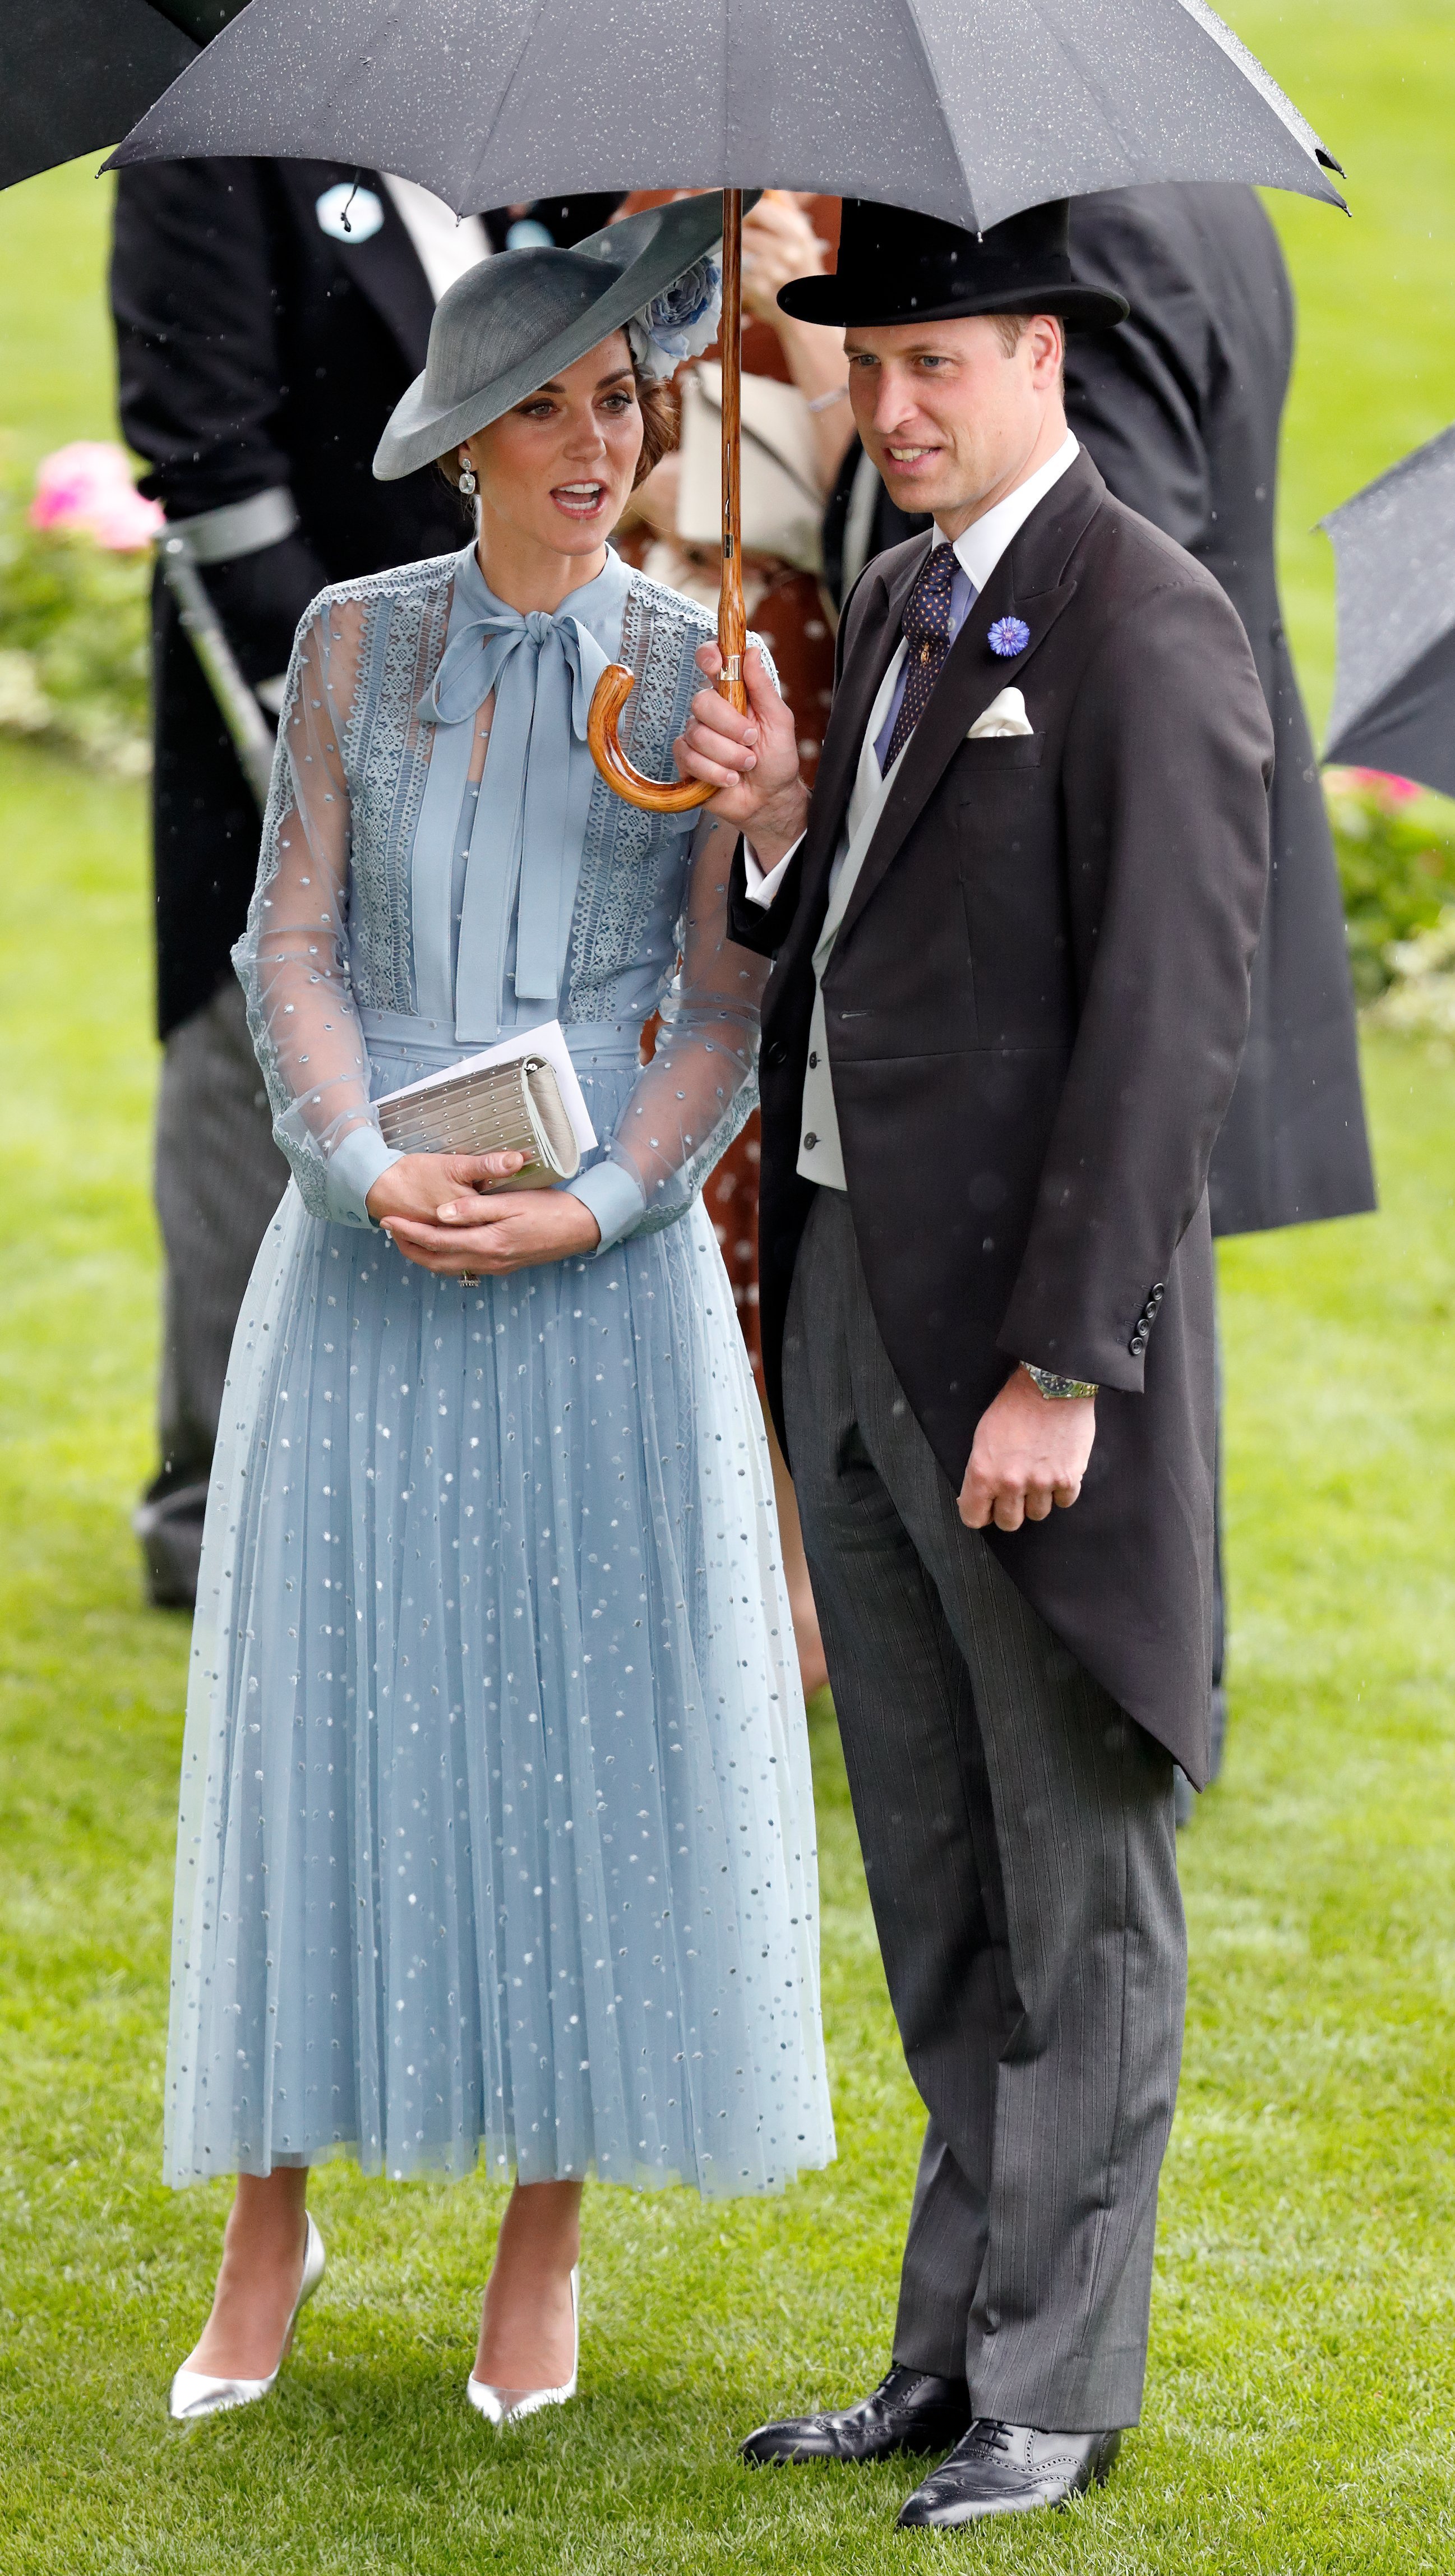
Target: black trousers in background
1018, 1840
218, 1178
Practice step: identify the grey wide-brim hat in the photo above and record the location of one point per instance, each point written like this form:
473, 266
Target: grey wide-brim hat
514, 321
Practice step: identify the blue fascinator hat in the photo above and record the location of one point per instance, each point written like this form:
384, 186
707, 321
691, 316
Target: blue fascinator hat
513, 322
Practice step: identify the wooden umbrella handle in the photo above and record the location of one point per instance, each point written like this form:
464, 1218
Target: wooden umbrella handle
679, 795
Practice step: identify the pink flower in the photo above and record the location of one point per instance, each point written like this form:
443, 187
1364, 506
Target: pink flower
86, 489
1384, 784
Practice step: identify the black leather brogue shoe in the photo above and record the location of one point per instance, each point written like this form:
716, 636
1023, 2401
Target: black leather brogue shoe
908, 2411
1008, 2468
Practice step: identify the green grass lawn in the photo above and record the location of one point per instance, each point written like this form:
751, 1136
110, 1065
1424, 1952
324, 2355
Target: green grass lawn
1302, 2390
1302, 2341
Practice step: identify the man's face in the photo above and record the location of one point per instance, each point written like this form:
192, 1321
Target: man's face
949, 417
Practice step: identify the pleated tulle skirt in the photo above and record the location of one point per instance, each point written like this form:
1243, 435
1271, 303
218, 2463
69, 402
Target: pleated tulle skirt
496, 1834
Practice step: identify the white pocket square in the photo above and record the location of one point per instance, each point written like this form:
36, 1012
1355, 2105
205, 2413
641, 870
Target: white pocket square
1005, 714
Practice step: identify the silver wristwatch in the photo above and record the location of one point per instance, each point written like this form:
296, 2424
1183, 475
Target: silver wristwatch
1046, 1382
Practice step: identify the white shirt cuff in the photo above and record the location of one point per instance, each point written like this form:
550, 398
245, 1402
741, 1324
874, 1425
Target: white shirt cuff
353, 1168
762, 889
614, 1198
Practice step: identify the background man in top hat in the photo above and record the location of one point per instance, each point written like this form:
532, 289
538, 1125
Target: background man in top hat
1181, 408
269, 314
1013, 949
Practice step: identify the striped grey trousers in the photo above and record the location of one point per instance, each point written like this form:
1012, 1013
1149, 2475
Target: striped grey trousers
1018, 1840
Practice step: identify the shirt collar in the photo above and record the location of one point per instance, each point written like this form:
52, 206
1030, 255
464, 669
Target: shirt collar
979, 550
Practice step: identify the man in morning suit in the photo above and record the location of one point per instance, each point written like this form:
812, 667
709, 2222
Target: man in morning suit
1013, 933
1181, 409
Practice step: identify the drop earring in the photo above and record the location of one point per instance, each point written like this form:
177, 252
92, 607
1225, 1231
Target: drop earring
467, 476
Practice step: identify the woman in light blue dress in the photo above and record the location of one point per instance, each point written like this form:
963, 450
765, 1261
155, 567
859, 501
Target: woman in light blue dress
496, 1834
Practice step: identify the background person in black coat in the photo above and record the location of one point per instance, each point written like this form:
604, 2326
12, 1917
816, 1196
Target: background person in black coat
1181, 408
269, 314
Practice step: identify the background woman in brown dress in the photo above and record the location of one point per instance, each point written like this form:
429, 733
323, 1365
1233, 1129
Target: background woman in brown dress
793, 444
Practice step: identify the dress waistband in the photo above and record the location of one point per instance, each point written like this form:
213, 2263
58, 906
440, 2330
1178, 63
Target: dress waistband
434, 1041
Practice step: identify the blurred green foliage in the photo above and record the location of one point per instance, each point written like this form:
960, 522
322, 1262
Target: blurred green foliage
1396, 853
74, 652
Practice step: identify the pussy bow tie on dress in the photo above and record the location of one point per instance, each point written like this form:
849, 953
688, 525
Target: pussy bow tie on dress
532, 809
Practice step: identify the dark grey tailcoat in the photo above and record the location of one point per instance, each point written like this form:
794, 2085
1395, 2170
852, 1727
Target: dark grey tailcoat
1180, 408
1036, 1007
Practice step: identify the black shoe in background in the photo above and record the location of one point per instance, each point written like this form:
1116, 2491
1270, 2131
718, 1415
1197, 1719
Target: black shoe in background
169, 1526
909, 2411
1008, 2468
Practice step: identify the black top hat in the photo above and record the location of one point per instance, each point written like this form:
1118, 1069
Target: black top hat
896, 266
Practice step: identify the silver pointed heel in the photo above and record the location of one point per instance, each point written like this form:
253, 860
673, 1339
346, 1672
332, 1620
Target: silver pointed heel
502, 2406
195, 2395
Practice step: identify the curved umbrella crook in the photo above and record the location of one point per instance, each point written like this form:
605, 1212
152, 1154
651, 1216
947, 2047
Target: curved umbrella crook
679, 795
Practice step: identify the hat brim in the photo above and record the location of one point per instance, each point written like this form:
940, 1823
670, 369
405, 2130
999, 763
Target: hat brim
641, 257
836, 300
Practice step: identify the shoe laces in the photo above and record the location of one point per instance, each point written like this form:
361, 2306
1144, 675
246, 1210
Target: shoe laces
988, 2433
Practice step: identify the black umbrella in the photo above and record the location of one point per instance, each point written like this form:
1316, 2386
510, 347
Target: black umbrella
1394, 687
77, 73
966, 109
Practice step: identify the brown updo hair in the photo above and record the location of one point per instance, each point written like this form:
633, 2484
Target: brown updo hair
661, 409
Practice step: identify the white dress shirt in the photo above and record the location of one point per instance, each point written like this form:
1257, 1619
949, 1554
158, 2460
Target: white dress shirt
445, 244
977, 552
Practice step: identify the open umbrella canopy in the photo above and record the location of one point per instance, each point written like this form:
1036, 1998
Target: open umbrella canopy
77, 73
967, 109
1394, 686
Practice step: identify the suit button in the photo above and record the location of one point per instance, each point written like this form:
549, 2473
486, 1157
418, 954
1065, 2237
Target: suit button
1137, 1344
813, 1059
776, 1053
810, 1141
1159, 1289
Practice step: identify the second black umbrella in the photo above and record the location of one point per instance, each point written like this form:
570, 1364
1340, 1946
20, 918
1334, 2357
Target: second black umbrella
77, 73
1394, 688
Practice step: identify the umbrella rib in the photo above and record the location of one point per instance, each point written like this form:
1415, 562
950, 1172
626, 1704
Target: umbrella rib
932, 83
503, 100
1077, 61
1231, 44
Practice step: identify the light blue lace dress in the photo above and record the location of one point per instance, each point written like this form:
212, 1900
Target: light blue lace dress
496, 1832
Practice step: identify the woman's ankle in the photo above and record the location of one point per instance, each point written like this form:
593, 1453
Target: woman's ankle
269, 2215
263, 2249
541, 2227
527, 2324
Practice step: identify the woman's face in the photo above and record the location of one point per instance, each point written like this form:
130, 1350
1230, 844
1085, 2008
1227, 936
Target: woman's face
559, 467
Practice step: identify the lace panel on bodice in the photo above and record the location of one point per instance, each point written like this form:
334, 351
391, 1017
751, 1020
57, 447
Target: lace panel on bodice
386, 756
624, 848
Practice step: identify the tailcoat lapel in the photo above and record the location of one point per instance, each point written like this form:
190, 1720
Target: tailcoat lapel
1027, 582
385, 267
873, 649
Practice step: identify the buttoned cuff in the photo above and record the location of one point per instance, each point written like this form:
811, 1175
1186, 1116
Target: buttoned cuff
762, 889
614, 1198
353, 1168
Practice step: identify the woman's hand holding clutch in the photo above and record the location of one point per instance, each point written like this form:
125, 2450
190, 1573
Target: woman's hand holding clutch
457, 1215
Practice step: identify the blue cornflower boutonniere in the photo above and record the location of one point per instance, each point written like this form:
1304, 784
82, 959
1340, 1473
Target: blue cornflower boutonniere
1009, 636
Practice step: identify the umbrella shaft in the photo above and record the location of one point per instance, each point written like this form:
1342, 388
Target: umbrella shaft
732, 624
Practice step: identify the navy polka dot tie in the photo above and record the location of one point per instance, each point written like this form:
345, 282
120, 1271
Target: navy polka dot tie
926, 642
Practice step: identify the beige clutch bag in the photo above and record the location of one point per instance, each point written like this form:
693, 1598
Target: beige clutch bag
499, 1108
